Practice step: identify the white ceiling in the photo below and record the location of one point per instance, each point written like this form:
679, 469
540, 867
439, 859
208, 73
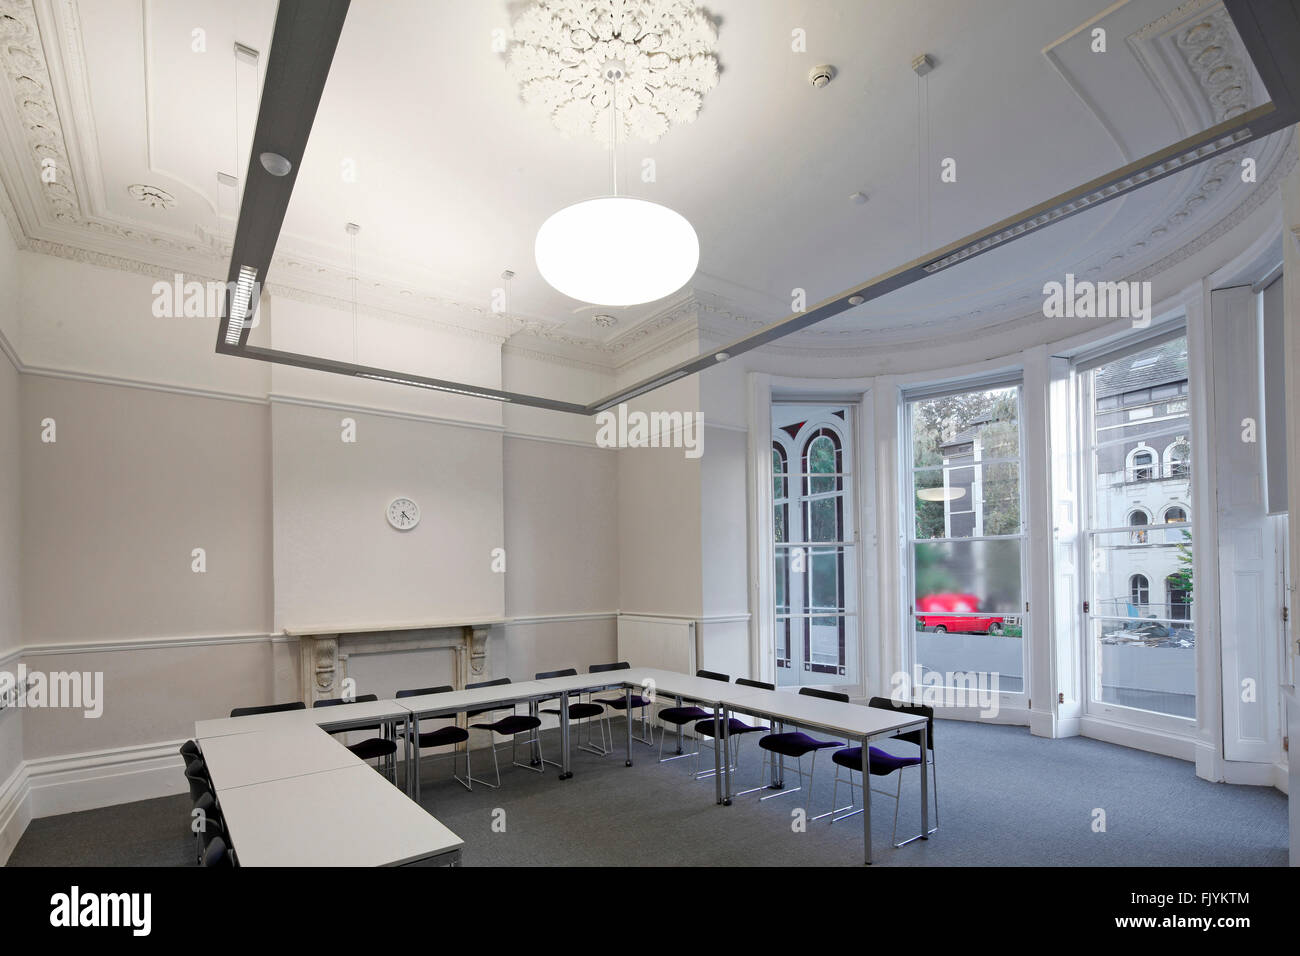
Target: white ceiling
454, 173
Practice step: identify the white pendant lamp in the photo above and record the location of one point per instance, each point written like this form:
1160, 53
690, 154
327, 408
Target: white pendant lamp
616, 250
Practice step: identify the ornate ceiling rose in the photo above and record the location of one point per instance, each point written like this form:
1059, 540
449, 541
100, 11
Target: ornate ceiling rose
568, 53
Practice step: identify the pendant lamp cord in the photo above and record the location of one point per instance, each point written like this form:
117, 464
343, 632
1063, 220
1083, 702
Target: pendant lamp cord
613, 136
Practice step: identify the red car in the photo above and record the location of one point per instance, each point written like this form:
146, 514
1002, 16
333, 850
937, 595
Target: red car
958, 624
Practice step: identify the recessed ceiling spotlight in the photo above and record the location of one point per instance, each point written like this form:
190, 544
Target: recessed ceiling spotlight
722, 356
859, 199
819, 76
275, 164
856, 300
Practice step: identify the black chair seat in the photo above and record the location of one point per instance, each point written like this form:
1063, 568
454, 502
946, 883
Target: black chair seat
683, 715
580, 711
735, 726
882, 763
444, 736
514, 724
620, 703
794, 744
374, 748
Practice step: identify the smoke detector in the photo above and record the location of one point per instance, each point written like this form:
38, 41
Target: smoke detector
819, 76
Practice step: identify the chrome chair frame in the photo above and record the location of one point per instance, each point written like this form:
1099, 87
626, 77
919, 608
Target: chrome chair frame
463, 781
896, 796
535, 742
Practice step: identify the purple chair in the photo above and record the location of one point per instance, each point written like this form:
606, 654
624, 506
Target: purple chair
797, 744
448, 736
679, 717
883, 763
380, 749
582, 711
639, 701
736, 729
509, 726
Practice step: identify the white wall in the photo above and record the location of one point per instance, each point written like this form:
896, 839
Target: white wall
337, 560
11, 719
114, 508
163, 447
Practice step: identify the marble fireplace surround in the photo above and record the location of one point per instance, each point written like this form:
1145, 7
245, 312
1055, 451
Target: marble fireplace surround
323, 651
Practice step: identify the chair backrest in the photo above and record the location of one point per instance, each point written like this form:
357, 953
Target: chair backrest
335, 701
217, 854
213, 822
197, 776
488, 683
824, 694
267, 709
920, 710
421, 691
712, 675
567, 672
602, 668
190, 749
746, 682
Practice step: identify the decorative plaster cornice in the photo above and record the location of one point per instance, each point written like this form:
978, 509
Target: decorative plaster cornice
1264, 191
554, 358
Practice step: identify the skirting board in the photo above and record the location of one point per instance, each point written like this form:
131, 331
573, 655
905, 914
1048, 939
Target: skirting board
15, 811
102, 778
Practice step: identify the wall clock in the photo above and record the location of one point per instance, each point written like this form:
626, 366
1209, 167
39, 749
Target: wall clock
403, 514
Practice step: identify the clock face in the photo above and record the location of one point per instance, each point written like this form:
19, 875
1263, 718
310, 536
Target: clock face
403, 514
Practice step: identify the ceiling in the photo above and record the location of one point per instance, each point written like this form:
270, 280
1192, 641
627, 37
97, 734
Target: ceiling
422, 139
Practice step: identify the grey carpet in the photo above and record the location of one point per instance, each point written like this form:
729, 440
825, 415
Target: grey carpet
1007, 798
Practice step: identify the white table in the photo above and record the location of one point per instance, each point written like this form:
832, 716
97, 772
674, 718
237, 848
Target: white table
345, 817
225, 726
237, 760
366, 713
854, 722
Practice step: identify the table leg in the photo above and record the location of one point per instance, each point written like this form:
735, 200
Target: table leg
726, 757
535, 744
717, 760
628, 711
925, 795
866, 798
565, 772
776, 779
681, 733
414, 766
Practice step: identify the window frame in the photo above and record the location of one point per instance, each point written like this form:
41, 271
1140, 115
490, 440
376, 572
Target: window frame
1085, 417
908, 399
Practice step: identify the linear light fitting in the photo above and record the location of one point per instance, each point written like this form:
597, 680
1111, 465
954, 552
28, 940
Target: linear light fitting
1138, 178
432, 387
240, 302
